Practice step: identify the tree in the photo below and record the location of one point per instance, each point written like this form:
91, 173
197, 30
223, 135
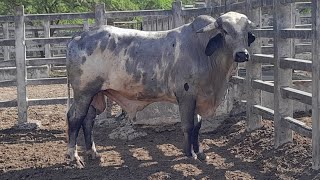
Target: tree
62, 6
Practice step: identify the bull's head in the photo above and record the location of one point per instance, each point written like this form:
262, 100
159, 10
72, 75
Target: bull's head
233, 33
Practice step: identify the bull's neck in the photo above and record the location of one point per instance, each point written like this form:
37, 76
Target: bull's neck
222, 64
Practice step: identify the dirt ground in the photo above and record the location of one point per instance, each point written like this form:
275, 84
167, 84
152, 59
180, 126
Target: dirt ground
233, 153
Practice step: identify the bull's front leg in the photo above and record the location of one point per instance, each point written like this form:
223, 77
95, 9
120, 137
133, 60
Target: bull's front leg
187, 105
196, 143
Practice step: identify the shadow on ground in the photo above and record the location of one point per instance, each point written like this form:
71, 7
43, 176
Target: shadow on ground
233, 154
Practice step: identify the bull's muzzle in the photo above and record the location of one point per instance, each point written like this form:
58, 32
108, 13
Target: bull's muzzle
242, 57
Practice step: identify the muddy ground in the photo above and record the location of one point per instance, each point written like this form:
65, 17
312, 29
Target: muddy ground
233, 153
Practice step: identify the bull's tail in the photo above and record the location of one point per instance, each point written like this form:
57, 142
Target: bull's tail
68, 107
68, 100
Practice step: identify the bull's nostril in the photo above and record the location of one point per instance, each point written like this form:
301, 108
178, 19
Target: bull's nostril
241, 55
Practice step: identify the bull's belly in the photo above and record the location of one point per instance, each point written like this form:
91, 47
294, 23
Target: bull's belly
139, 90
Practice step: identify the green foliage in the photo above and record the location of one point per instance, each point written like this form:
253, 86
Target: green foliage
7, 7
305, 11
62, 6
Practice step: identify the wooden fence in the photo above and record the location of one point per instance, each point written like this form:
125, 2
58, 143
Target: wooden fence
283, 33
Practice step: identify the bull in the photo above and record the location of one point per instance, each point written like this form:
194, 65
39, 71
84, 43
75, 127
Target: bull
189, 65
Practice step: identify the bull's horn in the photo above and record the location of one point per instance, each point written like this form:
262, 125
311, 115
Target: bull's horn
208, 27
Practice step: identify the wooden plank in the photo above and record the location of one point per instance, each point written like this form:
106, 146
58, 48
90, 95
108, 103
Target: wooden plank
8, 83
141, 13
237, 80
8, 63
46, 33
296, 33
7, 104
6, 50
263, 111
47, 101
52, 40
100, 17
263, 85
7, 42
316, 85
21, 65
295, 94
283, 107
253, 72
264, 33
46, 81
177, 14
267, 49
59, 16
296, 64
300, 48
45, 61
303, 25
264, 3
66, 26
6, 18
298, 126
267, 3
263, 58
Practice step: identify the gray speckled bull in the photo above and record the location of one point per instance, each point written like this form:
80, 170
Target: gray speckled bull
189, 65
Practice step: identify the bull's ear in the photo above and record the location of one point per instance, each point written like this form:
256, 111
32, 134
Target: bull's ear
251, 38
214, 43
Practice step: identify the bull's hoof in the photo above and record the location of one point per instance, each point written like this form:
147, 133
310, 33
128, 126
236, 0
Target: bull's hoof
79, 163
76, 161
191, 155
91, 155
201, 156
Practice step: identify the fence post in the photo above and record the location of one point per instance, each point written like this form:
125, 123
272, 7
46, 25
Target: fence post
176, 11
86, 25
100, 17
315, 85
282, 77
253, 72
47, 51
6, 49
21, 65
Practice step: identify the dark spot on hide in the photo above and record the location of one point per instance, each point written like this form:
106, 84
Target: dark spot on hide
89, 41
186, 86
104, 43
83, 59
90, 47
112, 44
172, 45
131, 68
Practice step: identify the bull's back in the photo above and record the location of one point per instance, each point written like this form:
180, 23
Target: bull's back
133, 62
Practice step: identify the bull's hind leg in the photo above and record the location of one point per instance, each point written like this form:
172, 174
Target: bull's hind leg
75, 117
87, 127
195, 135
